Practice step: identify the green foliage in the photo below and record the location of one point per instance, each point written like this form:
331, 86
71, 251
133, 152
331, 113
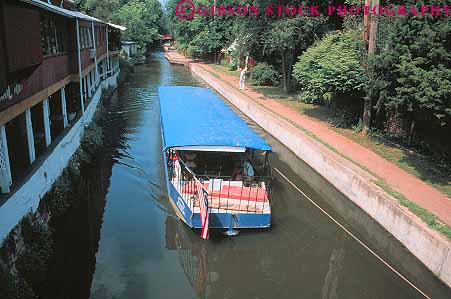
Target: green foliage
91, 143
33, 260
60, 198
289, 33
332, 66
12, 287
203, 34
230, 66
240, 48
101, 9
289, 36
264, 74
344, 119
142, 19
413, 69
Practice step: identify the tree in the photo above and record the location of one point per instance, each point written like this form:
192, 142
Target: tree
330, 67
101, 9
290, 36
202, 35
412, 71
142, 19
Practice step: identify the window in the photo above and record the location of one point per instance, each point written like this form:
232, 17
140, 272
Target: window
97, 36
85, 37
90, 44
61, 35
53, 35
82, 38
100, 36
47, 32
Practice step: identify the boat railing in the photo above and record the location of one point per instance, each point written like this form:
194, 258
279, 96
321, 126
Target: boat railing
225, 193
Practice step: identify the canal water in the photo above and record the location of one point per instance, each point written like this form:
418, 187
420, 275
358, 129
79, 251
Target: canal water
122, 239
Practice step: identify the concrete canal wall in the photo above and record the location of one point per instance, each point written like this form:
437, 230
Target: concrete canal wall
429, 246
26, 199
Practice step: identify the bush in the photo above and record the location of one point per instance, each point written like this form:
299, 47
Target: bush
310, 97
91, 143
344, 119
33, 261
264, 74
12, 287
330, 67
232, 66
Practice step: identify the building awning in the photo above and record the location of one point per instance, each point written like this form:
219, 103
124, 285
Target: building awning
62, 11
122, 28
195, 116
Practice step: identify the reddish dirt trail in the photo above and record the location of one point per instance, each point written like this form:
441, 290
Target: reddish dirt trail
398, 179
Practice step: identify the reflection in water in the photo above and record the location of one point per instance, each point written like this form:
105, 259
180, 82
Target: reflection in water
78, 233
330, 286
122, 239
193, 260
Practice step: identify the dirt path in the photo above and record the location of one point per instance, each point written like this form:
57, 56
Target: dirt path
398, 179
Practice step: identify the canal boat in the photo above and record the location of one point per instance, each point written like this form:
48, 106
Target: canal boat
217, 168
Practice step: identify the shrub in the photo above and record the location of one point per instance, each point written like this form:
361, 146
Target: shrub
194, 51
33, 261
344, 119
311, 97
414, 66
12, 287
264, 74
91, 143
232, 66
332, 66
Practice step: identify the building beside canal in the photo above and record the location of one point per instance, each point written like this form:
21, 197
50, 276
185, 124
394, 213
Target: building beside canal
131, 48
54, 64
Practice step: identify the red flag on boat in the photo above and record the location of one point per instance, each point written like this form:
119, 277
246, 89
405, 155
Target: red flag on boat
202, 196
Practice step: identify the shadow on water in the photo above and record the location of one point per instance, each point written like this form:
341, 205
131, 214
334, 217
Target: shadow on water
122, 239
78, 233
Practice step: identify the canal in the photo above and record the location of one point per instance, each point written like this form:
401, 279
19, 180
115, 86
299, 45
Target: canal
121, 238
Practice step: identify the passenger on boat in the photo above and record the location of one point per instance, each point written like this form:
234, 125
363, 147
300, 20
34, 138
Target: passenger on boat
189, 158
174, 169
243, 172
236, 174
177, 170
249, 173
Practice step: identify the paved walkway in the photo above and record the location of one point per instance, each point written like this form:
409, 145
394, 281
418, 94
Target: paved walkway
398, 179
176, 58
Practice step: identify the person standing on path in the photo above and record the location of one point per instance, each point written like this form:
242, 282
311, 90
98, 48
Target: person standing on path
243, 77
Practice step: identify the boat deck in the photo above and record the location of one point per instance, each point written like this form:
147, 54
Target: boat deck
227, 196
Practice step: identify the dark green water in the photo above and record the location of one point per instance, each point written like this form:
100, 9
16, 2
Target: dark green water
122, 239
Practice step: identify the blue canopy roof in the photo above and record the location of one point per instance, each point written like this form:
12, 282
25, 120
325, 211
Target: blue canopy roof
195, 116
